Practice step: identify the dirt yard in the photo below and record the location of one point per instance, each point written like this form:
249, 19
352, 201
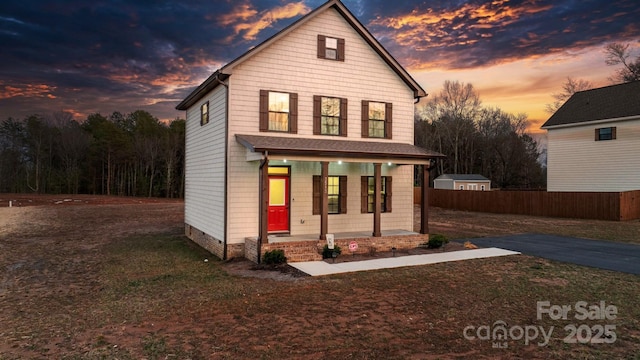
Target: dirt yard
90, 277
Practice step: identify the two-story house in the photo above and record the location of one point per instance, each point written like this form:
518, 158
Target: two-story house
594, 141
307, 134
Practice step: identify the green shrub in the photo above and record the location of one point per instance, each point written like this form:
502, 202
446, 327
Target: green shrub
436, 241
274, 257
328, 253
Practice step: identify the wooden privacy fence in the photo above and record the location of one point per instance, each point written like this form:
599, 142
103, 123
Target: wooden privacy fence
618, 206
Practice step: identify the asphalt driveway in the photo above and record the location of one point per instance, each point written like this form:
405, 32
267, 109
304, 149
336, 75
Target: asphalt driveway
593, 253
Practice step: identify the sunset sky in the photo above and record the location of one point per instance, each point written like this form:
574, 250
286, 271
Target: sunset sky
103, 56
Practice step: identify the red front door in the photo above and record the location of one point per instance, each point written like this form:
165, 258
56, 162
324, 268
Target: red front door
278, 203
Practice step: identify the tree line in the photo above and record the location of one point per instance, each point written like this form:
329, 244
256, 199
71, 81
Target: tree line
477, 139
128, 155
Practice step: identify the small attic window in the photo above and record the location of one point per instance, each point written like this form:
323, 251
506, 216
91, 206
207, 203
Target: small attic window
330, 48
608, 133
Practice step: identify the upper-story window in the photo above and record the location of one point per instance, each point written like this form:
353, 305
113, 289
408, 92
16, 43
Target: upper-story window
278, 111
376, 119
204, 113
329, 116
330, 48
608, 133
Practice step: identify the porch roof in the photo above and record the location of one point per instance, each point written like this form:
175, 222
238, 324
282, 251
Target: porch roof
278, 145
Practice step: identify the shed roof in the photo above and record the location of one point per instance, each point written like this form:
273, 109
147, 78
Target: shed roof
277, 145
609, 102
223, 73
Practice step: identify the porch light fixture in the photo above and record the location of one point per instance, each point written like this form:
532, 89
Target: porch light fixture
285, 161
339, 162
389, 163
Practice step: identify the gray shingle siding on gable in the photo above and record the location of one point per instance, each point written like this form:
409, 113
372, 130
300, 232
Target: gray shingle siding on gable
609, 102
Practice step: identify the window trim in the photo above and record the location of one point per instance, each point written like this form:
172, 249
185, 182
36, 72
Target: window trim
599, 135
317, 115
364, 194
322, 48
342, 194
204, 115
264, 112
388, 120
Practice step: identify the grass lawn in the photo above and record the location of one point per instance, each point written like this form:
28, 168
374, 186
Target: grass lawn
120, 281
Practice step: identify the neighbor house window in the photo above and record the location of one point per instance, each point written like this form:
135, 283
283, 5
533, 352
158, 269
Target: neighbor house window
376, 119
278, 111
608, 133
204, 113
336, 194
368, 194
330, 48
329, 116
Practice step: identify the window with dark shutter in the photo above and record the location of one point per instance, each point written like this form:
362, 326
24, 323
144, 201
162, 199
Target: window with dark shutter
377, 119
367, 194
331, 48
278, 111
329, 116
336, 194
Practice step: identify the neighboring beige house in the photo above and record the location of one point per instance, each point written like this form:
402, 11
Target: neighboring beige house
308, 134
462, 182
594, 141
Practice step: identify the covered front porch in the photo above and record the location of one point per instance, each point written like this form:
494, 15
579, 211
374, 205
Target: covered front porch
370, 168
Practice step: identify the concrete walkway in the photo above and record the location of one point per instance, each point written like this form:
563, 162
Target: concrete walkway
319, 268
607, 255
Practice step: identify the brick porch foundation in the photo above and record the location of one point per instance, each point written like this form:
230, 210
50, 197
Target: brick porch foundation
311, 250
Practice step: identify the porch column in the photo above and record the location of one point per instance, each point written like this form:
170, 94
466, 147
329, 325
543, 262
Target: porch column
263, 231
324, 200
424, 201
377, 206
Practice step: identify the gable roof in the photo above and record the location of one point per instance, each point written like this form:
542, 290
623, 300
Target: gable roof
609, 102
462, 177
223, 73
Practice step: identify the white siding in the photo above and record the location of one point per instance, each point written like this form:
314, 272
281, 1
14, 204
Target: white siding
576, 162
204, 169
291, 65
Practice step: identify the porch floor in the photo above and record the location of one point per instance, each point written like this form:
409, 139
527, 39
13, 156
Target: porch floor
275, 238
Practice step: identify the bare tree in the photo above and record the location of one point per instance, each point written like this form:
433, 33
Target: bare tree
452, 112
617, 54
570, 87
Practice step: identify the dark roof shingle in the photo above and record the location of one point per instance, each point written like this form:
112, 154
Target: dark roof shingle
609, 102
462, 177
277, 145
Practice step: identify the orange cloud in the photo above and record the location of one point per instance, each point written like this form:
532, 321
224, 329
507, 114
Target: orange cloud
250, 23
27, 90
424, 29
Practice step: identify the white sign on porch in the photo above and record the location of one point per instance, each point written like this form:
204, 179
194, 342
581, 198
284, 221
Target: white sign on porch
330, 241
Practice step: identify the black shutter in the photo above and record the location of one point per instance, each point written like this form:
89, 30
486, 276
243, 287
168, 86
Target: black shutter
317, 112
322, 51
343, 117
316, 194
293, 113
264, 110
343, 194
365, 119
388, 121
340, 50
